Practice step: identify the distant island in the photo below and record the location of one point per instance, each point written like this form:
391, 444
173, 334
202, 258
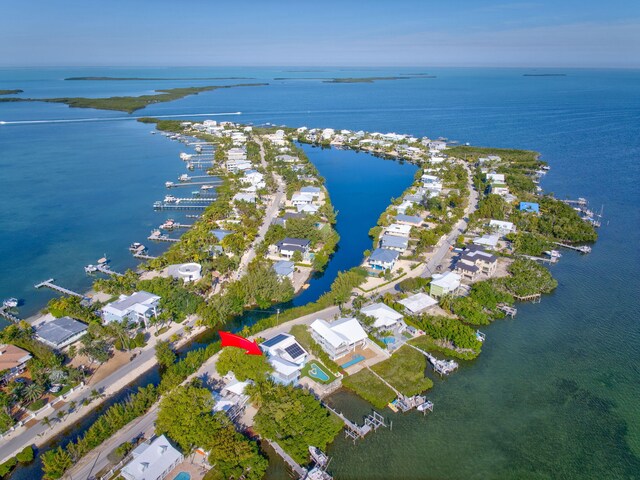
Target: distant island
130, 104
356, 79
157, 78
544, 74
10, 92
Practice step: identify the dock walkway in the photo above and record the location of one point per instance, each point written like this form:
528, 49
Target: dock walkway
9, 316
49, 284
580, 248
107, 271
300, 471
443, 367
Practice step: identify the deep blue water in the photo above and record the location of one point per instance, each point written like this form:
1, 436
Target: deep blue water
554, 394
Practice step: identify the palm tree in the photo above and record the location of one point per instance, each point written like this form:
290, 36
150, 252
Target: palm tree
33, 392
57, 376
446, 302
46, 421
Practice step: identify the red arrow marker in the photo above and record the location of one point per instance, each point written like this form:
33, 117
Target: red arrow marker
232, 340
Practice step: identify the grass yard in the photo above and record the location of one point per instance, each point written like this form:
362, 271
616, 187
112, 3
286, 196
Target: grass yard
365, 384
318, 376
405, 371
426, 343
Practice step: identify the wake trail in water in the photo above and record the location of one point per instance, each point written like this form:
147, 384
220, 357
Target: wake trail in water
111, 119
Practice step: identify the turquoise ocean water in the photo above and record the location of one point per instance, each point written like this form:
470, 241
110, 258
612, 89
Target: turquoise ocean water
555, 392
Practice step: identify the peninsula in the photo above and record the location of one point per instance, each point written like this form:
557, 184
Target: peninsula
10, 92
156, 78
131, 104
463, 243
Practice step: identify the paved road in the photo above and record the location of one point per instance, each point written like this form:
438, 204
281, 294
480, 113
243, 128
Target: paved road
110, 385
270, 214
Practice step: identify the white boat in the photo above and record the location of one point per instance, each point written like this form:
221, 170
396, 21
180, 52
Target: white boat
135, 246
185, 157
553, 253
184, 177
152, 132
170, 199
428, 405
10, 303
169, 184
103, 260
90, 269
168, 225
206, 187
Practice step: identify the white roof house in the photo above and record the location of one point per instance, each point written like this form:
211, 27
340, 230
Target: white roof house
418, 303
444, 283
487, 240
301, 199
137, 307
152, 461
398, 229
385, 316
340, 337
495, 177
502, 226
286, 356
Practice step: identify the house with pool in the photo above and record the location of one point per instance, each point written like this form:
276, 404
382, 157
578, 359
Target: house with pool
286, 356
153, 460
340, 337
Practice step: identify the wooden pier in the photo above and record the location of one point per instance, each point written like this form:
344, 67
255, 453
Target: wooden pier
540, 259
162, 238
581, 248
173, 206
301, 472
535, 298
49, 284
508, 310
144, 256
353, 431
4, 313
443, 367
580, 201
190, 184
107, 271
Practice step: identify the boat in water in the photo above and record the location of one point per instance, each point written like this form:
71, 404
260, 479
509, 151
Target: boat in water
170, 199
168, 225
10, 302
90, 269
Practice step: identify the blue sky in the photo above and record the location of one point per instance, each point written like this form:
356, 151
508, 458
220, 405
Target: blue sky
561, 33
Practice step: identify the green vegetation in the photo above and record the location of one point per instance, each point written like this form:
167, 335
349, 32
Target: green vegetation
526, 243
519, 157
25, 456
56, 461
369, 387
131, 104
10, 92
301, 332
293, 418
428, 344
528, 278
451, 333
72, 306
243, 365
405, 371
413, 284
186, 416
165, 355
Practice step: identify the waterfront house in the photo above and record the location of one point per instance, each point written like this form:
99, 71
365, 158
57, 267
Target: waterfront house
12, 361
284, 269
437, 145
444, 284
236, 154
393, 242
385, 317
286, 356
327, 133
502, 227
490, 241
245, 197
287, 159
60, 332
398, 230
301, 199
152, 460
382, 259
137, 307
289, 246
411, 220
495, 178
403, 207
308, 209
498, 188
477, 256
188, 272
530, 207
418, 303
235, 166
313, 191
340, 337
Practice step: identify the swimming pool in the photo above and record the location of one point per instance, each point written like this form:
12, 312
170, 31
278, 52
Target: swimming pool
353, 361
316, 372
388, 340
182, 476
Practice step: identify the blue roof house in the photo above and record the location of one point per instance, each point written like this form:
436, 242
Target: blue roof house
383, 259
529, 207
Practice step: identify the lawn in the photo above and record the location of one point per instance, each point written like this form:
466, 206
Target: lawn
405, 371
365, 384
318, 365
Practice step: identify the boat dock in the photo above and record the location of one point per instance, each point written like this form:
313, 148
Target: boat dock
173, 206
107, 271
4, 313
508, 310
301, 472
580, 201
443, 367
49, 284
371, 423
143, 256
189, 184
581, 248
159, 237
188, 178
540, 259
535, 298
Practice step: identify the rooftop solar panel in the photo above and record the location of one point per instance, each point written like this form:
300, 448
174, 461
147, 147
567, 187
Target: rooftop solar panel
294, 350
275, 340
